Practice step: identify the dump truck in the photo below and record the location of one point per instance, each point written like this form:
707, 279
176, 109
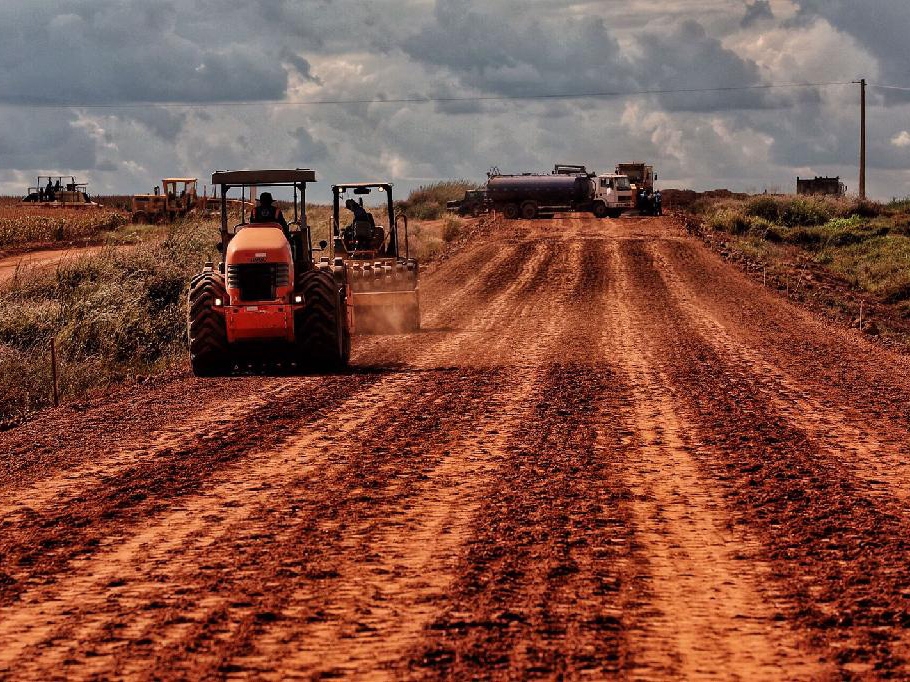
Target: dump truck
384, 279
269, 301
530, 196
473, 203
175, 198
59, 191
641, 175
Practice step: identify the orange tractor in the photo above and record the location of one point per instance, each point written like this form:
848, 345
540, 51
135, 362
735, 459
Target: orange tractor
269, 300
384, 279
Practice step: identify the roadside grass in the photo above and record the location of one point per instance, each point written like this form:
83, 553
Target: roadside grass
21, 226
862, 243
114, 316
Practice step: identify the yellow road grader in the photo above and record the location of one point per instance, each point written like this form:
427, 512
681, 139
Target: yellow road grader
173, 199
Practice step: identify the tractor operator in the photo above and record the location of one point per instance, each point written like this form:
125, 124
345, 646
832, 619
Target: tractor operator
360, 213
266, 212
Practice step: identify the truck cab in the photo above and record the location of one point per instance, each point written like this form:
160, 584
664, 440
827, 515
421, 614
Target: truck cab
615, 191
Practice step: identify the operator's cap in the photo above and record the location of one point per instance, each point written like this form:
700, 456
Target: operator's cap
265, 198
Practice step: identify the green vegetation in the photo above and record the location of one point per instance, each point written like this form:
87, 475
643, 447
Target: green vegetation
115, 315
867, 244
428, 202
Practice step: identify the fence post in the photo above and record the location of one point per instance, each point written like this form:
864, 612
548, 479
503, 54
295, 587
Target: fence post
54, 372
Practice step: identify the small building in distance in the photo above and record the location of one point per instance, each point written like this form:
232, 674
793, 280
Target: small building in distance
825, 186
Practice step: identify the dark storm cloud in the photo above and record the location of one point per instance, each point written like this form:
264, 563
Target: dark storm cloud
307, 148
45, 140
686, 57
101, 51
511, 55
757, 11
506, 55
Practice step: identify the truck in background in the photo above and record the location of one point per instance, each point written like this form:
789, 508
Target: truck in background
473, 203
575, 190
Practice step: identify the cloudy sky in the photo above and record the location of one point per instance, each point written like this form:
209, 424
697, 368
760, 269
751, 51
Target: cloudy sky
124, 92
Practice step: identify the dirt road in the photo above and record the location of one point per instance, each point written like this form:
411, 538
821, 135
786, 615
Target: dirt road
608, 454
42, 259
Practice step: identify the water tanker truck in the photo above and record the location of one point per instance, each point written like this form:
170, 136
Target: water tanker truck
530, 196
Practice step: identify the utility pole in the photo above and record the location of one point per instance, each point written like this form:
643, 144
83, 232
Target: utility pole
862, 140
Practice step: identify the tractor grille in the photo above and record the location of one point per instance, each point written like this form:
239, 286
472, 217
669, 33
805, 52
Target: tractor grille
257, 281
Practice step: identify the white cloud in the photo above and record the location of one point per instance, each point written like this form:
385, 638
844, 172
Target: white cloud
902, 139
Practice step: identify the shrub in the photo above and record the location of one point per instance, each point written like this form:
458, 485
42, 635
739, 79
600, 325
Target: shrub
764, 207
428, 202
798, 212
452, 229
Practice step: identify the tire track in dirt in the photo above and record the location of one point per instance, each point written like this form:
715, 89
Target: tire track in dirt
220, 417
841, 557
169, 550
546, 541
407, 558
858, 404
38, 545
705, 612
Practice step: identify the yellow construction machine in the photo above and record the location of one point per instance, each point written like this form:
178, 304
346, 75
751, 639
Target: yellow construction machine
384, 279
176, 200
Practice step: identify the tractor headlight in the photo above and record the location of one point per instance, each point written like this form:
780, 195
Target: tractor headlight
298, 299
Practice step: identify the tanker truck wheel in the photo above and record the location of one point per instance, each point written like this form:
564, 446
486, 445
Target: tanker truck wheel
323, 340
600, 210
529, 210
209, 354
510, 211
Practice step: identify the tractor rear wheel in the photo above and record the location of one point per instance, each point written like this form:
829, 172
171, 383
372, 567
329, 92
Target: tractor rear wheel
141, 218
323, 339
209, 354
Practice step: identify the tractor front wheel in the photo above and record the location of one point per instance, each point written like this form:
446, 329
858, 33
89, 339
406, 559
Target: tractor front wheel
209, 354
323, 339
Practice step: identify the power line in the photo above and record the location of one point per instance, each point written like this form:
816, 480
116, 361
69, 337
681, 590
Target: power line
419, 100
888, 87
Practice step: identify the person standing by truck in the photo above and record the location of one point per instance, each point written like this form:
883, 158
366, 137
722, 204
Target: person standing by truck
658, 201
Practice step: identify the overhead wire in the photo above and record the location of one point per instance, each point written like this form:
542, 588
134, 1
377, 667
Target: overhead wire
417, 99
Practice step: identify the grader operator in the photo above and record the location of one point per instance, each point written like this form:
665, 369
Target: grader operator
384, 278
269, 301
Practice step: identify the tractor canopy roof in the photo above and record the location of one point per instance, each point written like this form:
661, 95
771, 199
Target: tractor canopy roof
179, 180
274, 177
354, 185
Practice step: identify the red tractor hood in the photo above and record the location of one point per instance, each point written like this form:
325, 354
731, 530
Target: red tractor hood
259, 244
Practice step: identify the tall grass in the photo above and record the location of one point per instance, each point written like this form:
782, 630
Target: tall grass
23, 225
114, 315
